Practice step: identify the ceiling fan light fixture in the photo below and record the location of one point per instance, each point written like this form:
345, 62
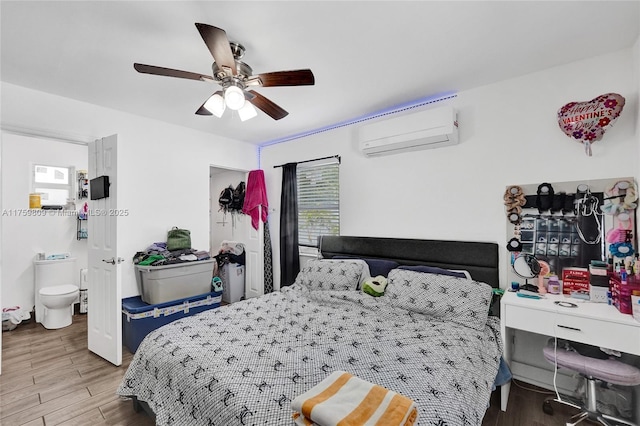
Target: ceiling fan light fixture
234, 77
234, 97
247, 112
215, 105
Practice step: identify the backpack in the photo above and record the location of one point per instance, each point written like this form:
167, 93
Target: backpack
225, 199
237, 201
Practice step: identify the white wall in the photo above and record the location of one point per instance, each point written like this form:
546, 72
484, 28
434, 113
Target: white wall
163, 169
508, 135
24, 236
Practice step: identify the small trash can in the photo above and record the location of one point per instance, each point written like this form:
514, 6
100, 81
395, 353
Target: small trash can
84, 300
232, 276
12, 317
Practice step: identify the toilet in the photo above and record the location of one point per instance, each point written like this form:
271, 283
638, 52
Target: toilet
55, 291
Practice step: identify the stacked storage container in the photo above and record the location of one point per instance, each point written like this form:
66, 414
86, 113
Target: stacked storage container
167, 293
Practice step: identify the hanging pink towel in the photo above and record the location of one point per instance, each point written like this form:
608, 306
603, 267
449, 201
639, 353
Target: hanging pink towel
255, 196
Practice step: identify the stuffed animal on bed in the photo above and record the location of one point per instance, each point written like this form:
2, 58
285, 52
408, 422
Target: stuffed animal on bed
375, 286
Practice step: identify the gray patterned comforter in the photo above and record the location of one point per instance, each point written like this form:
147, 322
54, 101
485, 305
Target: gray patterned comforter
242, 364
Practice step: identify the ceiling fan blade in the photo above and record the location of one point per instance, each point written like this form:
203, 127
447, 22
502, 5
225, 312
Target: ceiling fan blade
271, 109
218, 44
168, 72
285, 78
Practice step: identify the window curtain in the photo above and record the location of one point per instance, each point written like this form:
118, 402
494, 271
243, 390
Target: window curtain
289, 253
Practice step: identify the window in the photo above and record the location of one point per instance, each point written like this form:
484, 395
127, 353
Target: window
53, 183
318, 201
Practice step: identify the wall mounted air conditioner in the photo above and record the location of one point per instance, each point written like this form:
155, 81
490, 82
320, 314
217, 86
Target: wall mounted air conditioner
431, 128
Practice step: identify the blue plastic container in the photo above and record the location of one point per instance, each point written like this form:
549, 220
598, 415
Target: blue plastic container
140, 318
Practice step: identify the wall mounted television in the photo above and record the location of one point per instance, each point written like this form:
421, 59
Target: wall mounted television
99, 187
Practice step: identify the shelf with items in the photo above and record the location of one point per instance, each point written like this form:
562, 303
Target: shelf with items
81, 223
81, 228
82, 178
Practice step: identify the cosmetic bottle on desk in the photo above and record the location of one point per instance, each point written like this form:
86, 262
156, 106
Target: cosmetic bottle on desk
553, 285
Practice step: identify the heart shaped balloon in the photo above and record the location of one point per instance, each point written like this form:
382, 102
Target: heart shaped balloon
586, 122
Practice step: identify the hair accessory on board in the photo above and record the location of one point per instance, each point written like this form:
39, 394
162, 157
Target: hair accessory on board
515, 218
621, 249
621, 196
514, 199
544, 199
514, 244
618, 235
623, 232
513, 191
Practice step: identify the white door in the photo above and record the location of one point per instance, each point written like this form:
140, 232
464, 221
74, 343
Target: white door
254, 251
104, 326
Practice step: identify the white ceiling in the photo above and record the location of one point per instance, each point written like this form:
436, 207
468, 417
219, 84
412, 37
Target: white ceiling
366, 56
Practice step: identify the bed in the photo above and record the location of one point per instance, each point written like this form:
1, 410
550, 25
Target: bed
429, 338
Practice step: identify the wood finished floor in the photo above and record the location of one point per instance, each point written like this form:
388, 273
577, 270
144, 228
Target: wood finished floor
50, 378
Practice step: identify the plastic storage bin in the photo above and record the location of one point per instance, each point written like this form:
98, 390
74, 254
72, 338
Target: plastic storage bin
232, 276
140, 318
160, 284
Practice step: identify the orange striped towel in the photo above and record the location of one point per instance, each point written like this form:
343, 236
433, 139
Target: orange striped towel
343, 400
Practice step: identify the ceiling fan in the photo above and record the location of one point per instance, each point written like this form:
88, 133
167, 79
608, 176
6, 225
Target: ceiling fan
235, 77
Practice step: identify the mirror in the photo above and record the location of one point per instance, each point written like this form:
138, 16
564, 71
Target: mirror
526, 266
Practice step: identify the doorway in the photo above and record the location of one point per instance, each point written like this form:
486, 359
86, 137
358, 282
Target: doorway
226, 226
27, 232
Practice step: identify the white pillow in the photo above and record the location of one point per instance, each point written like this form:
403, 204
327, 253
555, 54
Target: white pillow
323, 274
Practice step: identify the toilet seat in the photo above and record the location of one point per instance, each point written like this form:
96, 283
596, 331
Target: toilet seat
58, 290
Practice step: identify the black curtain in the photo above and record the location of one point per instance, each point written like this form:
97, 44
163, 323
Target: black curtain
289, 253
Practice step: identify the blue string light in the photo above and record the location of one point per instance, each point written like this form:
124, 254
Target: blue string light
389, 111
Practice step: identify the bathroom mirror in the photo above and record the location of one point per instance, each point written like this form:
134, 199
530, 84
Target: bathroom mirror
526, 266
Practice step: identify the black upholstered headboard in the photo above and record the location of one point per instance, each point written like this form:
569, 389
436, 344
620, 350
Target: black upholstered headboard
479, 258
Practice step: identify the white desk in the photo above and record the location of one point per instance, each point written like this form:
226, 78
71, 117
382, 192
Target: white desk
596, 324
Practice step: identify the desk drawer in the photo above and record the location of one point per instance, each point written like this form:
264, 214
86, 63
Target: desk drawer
532, 320
621, 337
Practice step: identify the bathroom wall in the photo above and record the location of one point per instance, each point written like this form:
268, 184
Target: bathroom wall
23, 235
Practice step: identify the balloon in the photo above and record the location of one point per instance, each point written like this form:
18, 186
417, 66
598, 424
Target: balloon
586, 122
